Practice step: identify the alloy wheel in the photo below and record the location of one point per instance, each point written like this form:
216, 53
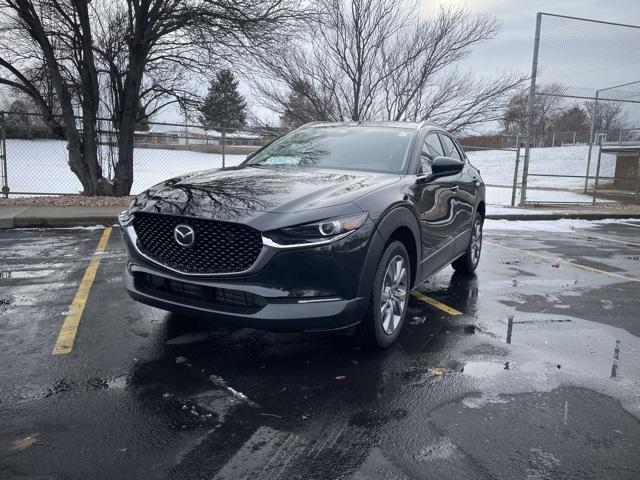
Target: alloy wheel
394, 294
476, 241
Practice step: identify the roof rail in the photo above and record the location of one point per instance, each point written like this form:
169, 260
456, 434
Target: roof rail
311, 124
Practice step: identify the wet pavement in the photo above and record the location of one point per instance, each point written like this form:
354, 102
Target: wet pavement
537, 379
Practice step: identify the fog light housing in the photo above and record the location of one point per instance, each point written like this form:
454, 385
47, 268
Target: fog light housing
125, 218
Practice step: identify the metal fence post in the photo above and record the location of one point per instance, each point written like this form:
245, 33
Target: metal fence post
593, 121
515, 177
531, 105
637, 192
186, 129
3, 157
595, 185
223, 142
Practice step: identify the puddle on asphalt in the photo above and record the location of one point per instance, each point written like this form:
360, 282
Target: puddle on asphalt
545, 352
492, 351
483, 369
525, 352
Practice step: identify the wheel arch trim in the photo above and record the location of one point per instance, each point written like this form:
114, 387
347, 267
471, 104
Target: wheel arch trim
394, 218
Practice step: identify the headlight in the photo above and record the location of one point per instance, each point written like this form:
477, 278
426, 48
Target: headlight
322, 232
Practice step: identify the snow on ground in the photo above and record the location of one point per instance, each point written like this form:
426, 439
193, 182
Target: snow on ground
497, 166
41, 166
497, 169
550, 226
502, 210
502, 196
152, 166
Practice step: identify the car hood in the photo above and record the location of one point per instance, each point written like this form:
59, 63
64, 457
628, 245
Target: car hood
236, 194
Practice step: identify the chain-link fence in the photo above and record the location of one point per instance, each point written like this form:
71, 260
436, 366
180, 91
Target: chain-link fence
35, 158
555, 138
499, 168
586, 75
3, 158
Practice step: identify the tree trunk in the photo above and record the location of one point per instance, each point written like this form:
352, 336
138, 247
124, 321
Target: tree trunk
123, 179
77, 165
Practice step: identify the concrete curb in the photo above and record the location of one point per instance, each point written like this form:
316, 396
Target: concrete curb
33, 217
8, 214
60, 217
575, 215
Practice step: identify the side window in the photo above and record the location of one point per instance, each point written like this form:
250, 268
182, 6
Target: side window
431, 148
450, 148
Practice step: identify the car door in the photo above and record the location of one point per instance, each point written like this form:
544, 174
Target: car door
435, 204
463, 198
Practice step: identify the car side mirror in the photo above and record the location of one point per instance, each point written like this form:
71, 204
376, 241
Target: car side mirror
446, 166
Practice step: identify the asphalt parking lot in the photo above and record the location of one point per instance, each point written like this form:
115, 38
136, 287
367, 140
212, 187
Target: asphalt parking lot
529, 369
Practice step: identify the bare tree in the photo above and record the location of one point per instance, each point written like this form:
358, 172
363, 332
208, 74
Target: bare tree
60, 31
609, 115
548, 106
366, 59
121, 57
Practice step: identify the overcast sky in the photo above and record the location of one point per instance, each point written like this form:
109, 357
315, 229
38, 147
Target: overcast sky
576, 54
513, 48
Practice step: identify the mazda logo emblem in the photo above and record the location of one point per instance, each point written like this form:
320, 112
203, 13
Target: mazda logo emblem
185, 235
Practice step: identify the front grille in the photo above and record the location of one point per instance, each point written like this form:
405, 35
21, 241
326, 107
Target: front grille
198, 295
219, 247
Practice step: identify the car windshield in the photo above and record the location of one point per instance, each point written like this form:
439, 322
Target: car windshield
378, 149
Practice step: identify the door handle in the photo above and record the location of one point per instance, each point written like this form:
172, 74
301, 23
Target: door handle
454, 188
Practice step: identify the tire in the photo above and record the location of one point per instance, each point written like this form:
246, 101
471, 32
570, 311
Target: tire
389, 298
468, 262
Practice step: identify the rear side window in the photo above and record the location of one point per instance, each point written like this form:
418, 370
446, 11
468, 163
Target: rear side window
450, 149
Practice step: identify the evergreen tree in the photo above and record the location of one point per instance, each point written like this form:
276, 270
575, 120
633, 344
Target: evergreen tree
304, 105
223, 106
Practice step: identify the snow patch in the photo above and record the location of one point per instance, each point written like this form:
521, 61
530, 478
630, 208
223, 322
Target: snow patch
551, 226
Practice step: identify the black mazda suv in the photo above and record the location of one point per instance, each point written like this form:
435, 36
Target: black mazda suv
328, 227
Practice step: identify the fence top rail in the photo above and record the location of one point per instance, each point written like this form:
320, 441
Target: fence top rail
235, 127
585, 97
473, 147
589, 20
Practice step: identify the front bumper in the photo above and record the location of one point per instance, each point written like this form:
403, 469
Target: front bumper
333, 314
308, 289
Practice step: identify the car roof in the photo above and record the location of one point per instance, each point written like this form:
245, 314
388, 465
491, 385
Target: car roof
386, 124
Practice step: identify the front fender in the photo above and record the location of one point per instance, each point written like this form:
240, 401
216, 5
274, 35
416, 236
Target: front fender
389, 222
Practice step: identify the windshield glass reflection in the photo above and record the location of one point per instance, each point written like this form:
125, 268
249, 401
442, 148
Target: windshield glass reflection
375, 149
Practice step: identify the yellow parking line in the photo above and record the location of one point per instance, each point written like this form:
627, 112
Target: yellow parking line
435, 303
565, 262
69, 328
